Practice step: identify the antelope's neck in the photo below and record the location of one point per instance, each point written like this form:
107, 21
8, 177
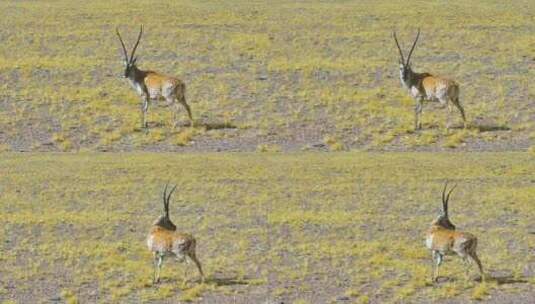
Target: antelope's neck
136, 77
442, 226
165, 223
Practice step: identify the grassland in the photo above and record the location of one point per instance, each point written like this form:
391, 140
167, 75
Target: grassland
297, 228
273, 77
282, 76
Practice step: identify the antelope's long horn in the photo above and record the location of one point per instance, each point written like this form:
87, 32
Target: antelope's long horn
399, 48
165, 204
122, 44
412, 48
169, 196
137, 43
448, 198
444, 205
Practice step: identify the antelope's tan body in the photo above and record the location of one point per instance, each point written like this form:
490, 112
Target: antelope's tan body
448, 242
168, 242
151, 85
435, 88
165, 241
162, 86
426, 87
442, 238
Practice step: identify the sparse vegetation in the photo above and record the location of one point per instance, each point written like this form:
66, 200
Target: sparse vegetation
263, 77
346, 221
268, 148
293, 73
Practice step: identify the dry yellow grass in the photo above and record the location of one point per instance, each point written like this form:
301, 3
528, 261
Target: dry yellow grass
351, 223
274, 69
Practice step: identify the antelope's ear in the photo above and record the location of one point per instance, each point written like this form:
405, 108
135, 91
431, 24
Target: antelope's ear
134, 61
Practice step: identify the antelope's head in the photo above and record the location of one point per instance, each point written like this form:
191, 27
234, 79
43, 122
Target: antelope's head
129, 62
404, 65
443, 219
164, 220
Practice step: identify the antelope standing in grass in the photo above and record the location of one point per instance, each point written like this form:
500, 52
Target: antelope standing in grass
164, 241
151, 85
426, 87
442, 239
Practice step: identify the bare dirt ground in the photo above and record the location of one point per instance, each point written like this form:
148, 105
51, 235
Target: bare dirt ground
271, 228
288, 77
275, 227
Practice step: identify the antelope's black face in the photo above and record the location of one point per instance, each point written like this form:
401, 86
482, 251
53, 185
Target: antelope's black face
404, 71
129, 68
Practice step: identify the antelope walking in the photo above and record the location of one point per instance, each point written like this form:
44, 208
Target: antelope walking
442, 239
164, 241
151, 85
424, 86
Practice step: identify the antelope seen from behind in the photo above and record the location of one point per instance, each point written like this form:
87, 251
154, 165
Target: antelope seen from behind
442, 239
151, 85
426, 87
164, 241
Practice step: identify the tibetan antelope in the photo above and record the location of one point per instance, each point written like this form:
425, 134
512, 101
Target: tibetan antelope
426, 87
443, 239
151, 85
164, 241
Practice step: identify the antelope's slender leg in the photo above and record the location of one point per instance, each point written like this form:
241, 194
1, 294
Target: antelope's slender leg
434, 265
475, 258
457, 103
182, 100
160, 262
417, 113
437, 259
144, 109
193, 257
155, 266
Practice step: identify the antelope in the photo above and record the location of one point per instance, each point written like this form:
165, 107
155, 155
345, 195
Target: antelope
442, 238
424, 86
164, 241
151, 85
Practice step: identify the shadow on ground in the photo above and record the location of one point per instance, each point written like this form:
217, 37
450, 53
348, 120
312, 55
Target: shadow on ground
215, 125
228, 281
491, 127
505, 279
500, 279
